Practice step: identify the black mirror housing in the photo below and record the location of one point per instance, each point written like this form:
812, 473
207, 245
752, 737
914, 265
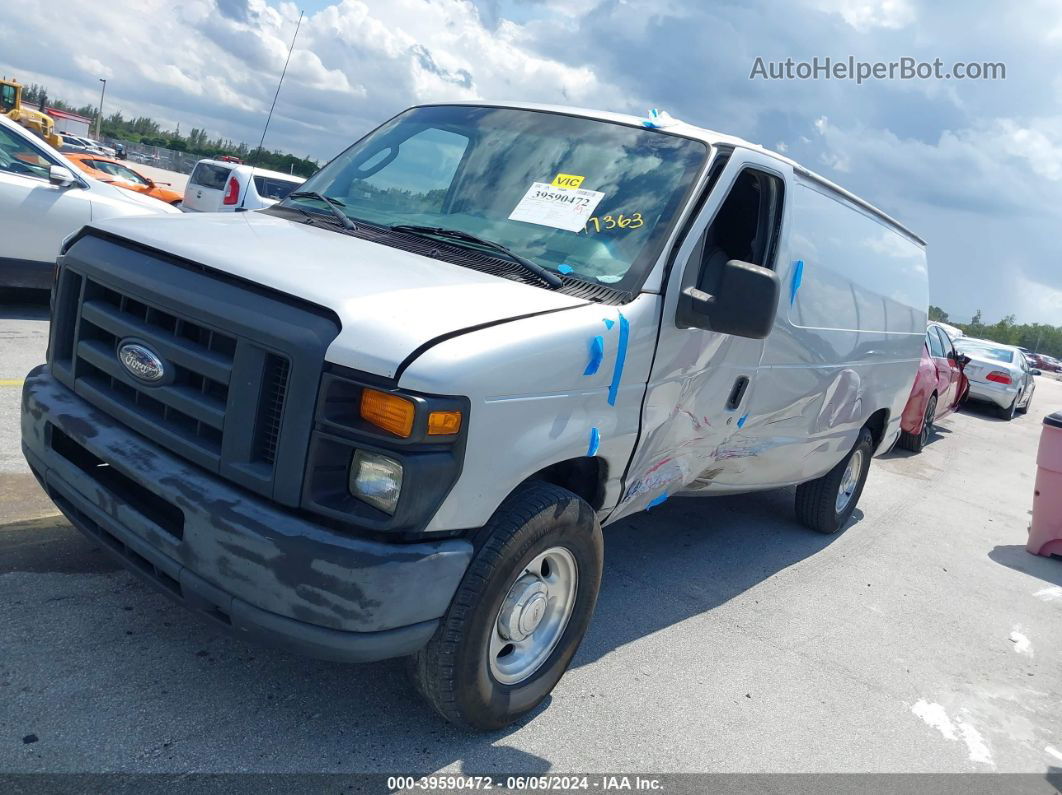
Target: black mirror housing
744, 305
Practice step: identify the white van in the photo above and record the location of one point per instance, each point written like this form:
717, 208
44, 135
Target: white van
218, 186
499, 329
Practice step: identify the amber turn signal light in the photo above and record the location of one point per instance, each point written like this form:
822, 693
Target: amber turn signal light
387, 411
444, 423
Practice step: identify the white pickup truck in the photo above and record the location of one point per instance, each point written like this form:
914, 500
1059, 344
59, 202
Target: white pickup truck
390, 414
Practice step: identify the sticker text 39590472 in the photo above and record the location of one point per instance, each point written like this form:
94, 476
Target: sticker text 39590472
560, 208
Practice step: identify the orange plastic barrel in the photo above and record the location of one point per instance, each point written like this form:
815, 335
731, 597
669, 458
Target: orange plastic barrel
1045, 532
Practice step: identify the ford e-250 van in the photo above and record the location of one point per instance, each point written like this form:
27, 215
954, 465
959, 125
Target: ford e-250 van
389, 415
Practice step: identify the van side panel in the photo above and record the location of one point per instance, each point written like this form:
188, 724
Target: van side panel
538, 388
847, 339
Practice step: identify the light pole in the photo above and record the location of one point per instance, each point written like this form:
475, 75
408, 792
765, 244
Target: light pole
99, 116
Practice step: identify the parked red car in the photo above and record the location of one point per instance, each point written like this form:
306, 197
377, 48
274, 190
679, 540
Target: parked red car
939, 388
1041, 361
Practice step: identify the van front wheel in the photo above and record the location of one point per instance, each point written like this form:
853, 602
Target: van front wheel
826, 504
520, 612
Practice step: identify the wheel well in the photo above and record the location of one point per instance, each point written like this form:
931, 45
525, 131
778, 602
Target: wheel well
584, 476
876, 425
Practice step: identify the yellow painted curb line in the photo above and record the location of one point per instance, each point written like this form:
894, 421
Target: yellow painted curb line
12, 381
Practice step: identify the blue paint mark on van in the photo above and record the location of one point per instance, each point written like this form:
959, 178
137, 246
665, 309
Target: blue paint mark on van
656, 501
798, 277
597, 353
621, 355
741, 420
595, 442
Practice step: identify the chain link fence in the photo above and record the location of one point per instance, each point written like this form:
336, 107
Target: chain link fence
158, 156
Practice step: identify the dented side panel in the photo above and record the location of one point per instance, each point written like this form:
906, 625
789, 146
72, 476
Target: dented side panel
539, 389
845, 344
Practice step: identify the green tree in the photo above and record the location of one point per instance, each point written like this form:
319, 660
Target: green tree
937, 314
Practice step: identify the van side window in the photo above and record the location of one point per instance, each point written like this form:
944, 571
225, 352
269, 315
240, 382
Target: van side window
745, 227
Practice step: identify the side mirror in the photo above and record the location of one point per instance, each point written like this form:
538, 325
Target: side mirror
744, 305
61, 176
1036, 371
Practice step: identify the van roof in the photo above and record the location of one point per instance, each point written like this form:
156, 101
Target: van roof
710, 137
265, 172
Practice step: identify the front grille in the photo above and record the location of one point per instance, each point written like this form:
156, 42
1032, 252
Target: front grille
270, 410
242, 365
192, 405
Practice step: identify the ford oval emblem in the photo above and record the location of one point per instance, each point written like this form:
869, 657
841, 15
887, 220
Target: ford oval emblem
141, 362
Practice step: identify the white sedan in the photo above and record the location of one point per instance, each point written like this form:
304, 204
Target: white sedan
998, 374
43, 199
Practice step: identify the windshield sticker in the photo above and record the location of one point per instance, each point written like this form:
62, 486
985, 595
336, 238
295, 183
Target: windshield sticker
561, 208
632, 221
567, 181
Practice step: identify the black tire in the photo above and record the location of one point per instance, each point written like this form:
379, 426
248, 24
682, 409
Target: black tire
1025, 409
1009, 412
916, 441
816, 500
453, 671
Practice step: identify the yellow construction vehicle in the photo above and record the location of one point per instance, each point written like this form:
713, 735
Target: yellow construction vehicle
34, 120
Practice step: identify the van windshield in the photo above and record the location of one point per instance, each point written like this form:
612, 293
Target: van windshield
585, 197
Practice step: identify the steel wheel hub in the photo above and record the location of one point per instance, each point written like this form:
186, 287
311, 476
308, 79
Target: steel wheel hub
850, 481
524, 608
533, 616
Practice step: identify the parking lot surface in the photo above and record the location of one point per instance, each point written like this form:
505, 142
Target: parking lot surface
175, 179
923, 638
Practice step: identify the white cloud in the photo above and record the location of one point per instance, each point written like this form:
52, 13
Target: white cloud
215, 64
864, 15
1039, 143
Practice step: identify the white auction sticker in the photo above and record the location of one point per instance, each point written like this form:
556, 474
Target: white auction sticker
561, 208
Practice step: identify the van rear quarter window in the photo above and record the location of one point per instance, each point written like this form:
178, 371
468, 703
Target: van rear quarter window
208, 175
859, 272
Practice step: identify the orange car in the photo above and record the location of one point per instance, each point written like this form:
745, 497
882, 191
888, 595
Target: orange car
107, 170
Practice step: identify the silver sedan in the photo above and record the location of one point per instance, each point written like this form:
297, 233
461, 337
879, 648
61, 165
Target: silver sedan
998, 374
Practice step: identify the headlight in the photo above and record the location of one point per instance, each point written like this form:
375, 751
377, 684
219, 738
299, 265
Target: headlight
376, 479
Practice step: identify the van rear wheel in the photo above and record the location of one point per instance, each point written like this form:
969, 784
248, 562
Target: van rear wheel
520, 612
826, 504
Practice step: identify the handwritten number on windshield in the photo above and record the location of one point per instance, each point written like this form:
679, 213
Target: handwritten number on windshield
606, 222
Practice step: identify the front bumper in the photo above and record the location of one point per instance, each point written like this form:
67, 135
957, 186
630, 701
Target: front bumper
26, 273
1000, 394
265, 573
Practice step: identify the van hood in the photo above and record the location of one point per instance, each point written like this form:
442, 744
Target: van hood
389, 302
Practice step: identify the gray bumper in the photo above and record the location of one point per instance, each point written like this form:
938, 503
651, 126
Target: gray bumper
1000, 394
267, 574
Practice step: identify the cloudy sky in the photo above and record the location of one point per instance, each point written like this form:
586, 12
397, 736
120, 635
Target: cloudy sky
975, 167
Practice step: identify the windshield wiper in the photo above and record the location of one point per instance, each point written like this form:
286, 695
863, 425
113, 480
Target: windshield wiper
551, 279
332, 204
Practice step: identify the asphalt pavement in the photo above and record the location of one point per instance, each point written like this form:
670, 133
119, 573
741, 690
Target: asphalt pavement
923, 638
